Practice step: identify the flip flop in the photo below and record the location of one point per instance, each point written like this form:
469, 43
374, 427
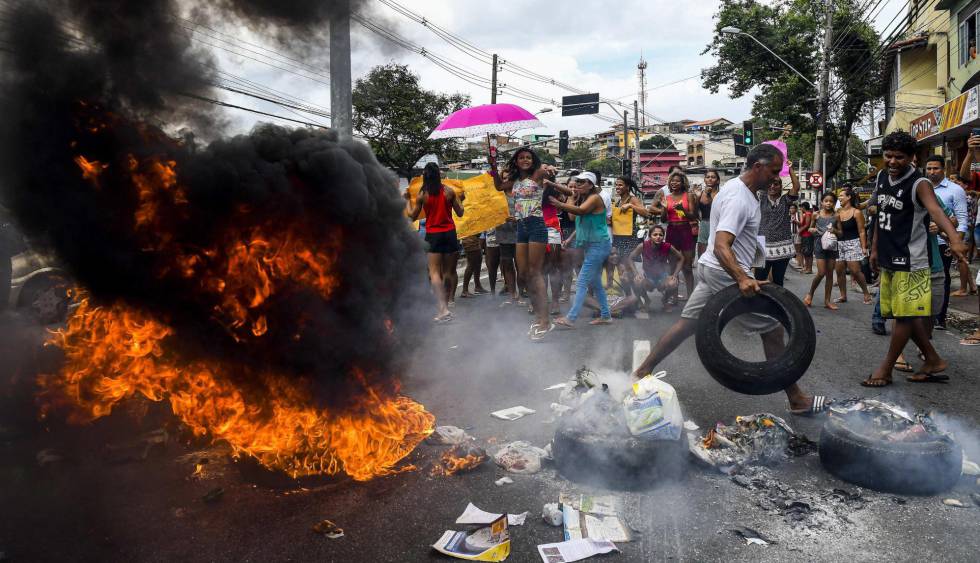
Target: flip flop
818, 404
876, 382
926, 377
903, 367
563, 324
600, 321
538, 333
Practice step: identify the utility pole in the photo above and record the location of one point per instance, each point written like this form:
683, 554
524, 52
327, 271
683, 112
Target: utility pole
493, 81
818, 150
637, 173
341, 107
626, 132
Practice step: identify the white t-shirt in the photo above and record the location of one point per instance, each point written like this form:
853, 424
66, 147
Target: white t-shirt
735, 210
606, 195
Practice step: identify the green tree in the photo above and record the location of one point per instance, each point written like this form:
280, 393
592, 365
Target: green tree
577, 156
657, 142
396, 115
792, 28
547, 158
606, 166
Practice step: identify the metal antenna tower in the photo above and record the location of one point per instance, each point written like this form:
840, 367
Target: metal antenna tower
641, 69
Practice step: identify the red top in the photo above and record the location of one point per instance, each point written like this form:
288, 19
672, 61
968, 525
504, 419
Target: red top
655, 257
438, 215
674, 215
805, 225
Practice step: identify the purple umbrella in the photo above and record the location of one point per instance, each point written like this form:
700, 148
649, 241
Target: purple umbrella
482, 120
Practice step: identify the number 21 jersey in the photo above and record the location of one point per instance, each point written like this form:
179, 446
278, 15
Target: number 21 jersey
903, 243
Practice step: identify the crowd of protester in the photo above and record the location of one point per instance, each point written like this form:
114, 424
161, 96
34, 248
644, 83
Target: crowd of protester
568, 244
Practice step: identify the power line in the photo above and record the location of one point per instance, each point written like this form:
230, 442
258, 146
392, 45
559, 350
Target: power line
233, 106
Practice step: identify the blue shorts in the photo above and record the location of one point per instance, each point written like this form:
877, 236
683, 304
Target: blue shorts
976, 234
532, 229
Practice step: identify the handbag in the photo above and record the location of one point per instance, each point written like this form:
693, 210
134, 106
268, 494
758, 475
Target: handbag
828, 241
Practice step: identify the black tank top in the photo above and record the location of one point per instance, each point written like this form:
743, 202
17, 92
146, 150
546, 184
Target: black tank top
705, 209
902, 223
849, 229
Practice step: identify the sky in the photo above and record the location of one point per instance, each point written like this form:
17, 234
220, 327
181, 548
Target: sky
594, 46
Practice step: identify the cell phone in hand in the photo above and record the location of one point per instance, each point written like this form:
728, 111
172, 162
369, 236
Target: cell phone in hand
975, 132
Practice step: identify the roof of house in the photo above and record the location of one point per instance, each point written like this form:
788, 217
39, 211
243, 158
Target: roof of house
707, 121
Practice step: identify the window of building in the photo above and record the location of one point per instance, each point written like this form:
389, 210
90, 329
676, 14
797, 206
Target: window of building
967, 34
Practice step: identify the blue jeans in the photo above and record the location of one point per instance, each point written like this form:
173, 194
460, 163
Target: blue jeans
876, 318
591, 275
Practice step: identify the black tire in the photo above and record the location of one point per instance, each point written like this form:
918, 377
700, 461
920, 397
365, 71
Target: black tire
616, 462
917, 468
756, 378
46, 298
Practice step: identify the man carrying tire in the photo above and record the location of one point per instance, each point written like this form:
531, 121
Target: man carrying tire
733, 248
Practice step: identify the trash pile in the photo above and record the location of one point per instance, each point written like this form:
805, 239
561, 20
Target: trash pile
758, 439
488, 539
463, 455
884, 421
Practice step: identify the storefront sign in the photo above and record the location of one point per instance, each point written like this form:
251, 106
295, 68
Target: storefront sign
925, 126
961, 110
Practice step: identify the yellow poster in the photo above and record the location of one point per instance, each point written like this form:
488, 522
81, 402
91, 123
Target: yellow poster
483, 206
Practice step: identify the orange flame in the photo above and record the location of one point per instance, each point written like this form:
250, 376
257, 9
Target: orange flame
459, 458
115, 352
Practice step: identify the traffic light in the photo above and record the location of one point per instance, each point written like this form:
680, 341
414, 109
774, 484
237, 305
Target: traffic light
747, 133
562, 143
627, 167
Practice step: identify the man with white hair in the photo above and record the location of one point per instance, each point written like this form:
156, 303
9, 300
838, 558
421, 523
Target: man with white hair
733, 247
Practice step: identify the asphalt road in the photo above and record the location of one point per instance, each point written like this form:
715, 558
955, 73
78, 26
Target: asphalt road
84, 509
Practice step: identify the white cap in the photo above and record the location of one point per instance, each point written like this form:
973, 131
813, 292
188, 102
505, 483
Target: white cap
587, 176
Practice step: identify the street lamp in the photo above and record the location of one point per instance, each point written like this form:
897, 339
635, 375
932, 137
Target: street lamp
736, 31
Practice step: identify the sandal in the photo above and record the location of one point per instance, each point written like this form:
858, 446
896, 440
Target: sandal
972, 340
601, 321
876, 382
537, 333
444, 318
808, 300
840, 300
927, 377
563, 323
868, 300
818, 404
903, 367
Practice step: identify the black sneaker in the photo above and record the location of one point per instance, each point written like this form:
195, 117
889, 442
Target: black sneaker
939, 325
879, 329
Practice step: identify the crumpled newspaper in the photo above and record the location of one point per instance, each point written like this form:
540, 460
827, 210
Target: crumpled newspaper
762, 438
520, 457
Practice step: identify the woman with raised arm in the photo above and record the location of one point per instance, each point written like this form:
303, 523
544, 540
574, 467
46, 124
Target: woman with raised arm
525, 179
681, 213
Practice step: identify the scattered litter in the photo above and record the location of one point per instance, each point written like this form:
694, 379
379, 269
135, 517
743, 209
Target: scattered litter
574, 550
461, 457
560, 409
583, 525
970, 468
448, 435
752, 536
884, 421
48, 456
975, 498
690, 426
607, 505
520, 457
556, 386
758, 439
547, 450
899, 500
473, 515
213, 495
503, 481
491, 543
453, 347
513, 413
329, 529
138, 449
953, 502
653, 410
551, 513
742, 481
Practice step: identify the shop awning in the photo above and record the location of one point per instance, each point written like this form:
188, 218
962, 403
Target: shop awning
952, 119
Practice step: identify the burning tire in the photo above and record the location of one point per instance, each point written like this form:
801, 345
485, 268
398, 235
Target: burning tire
921, 468
756, 378
46, 297
586, 450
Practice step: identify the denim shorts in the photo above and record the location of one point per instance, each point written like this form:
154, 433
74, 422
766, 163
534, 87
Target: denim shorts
532, 229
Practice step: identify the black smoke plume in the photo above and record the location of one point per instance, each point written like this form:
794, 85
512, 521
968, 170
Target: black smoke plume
100, 79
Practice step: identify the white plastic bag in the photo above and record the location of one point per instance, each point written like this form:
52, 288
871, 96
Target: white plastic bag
828, 241
653, 410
